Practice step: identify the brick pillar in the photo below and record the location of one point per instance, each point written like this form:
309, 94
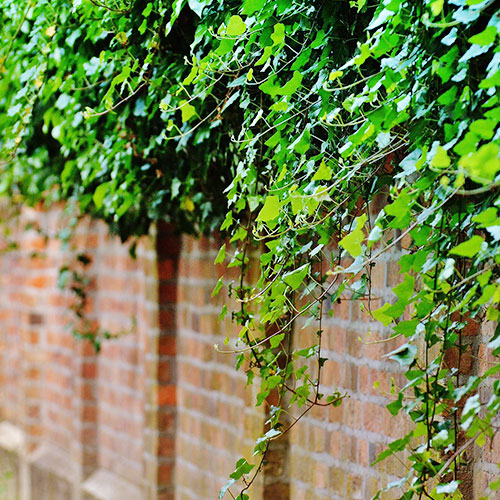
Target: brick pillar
461, 357
161, 372
30, 321
85, 408
277, 464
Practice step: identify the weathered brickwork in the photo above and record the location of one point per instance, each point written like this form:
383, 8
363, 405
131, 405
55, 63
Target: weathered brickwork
159, 413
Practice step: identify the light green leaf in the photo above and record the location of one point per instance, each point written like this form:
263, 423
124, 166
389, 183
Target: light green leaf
486, 37
275, 341
324, 172
270, 210
100, 194
352, 242
221, 255
236, 26
468, 248
441, 158
296, 277
484, 164
147, 11
187, 110
251, 6
278, 34
217, 287
379, 315
436, 7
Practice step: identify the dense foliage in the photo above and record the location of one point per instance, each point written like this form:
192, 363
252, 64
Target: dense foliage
284, 119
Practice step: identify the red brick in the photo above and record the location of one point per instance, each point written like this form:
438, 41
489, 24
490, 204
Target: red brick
167, 395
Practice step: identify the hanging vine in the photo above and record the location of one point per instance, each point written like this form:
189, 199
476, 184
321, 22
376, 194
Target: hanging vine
281, 121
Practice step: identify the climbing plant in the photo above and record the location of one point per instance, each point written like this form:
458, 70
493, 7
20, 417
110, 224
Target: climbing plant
281, 121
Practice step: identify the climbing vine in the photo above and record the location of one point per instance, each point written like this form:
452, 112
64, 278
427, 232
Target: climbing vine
281, 122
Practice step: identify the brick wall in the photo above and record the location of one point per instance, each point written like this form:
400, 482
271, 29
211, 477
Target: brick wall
332, 448
159, 413
217, 423
86, 420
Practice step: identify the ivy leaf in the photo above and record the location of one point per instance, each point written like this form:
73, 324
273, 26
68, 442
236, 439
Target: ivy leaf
223, 490
436, 7
380, 315
468, 248
441, 158
217, 287
251, 6
187, 110
236, 26
221, 255
486, 37
275, 341
100, 194
324, 173
447, 488
404, 355
352, 242
296, 277
303, 142
406, 328
291, 86
270, 210
147, 11
484, 164
278, 34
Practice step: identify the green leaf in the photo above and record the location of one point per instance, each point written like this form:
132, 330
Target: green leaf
441, 158
270, 210
449, 97
278, 35
468, 248
303, 142
404, 355
486, 37
296, 277
273, 381
217, 287
483, 128
436, 7
221, 255
236, 26
380, 315
324, 173
394, 408
276, 340
406, 328
482, 165
100, 194
187, 110
352, 242
251, 6
147, 11
292, 85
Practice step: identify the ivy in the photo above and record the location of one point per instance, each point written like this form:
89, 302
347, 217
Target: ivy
282, 122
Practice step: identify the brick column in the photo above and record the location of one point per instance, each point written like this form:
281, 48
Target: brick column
160, 371
85, 408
